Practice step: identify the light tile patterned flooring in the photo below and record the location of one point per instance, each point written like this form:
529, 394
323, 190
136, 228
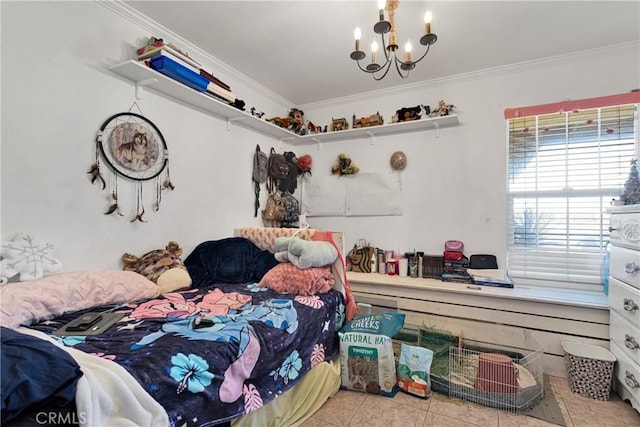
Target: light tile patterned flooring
354, 409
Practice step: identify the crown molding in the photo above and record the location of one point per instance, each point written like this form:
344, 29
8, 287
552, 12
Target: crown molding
155, 29
465, 77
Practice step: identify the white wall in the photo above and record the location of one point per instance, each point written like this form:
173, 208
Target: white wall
454, 184
57, 91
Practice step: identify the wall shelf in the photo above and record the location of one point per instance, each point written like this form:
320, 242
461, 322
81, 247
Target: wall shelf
145, 77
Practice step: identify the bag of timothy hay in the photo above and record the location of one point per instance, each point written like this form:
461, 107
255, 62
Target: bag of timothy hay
414, 369
366, 353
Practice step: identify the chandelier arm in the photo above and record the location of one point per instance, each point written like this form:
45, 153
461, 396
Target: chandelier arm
384, 48
423, 55
388, 64
398, 62
363, 69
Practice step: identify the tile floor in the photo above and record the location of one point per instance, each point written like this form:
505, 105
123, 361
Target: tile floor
354, 409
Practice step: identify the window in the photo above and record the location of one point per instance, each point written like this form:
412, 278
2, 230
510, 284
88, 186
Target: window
566, 162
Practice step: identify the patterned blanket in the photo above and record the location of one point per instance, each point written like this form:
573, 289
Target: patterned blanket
211, 354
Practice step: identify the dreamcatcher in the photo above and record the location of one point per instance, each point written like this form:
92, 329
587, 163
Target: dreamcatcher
134, 149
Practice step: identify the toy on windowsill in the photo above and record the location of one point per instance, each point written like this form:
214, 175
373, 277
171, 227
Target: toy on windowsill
372, 120
443, 109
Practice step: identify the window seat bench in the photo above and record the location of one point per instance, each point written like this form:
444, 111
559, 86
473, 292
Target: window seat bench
492, 315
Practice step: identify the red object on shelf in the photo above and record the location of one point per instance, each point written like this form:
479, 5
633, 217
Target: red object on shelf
496, 374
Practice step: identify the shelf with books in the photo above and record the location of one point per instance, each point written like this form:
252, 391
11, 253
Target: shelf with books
144, 76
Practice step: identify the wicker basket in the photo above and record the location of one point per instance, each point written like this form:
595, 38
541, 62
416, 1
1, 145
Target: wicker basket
590, 369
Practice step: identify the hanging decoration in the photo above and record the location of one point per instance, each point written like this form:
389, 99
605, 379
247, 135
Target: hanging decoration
134, 149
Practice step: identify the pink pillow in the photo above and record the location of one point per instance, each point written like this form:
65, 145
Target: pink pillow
287, 278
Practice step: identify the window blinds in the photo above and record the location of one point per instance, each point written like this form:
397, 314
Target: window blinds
563, 170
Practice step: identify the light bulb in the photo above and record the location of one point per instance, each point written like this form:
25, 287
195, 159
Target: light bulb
357, 34
374, 52
382, 4
427, 21
407, 52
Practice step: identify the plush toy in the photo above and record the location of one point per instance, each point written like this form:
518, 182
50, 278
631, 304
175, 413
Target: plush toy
163, 267
26, 256
304, 253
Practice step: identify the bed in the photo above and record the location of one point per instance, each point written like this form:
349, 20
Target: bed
224, 351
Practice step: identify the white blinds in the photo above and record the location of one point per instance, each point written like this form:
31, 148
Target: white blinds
564, 169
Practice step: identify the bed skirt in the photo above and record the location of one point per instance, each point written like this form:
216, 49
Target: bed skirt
301, 402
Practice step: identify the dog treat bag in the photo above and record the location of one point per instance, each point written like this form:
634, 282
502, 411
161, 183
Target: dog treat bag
366, 353
414, 367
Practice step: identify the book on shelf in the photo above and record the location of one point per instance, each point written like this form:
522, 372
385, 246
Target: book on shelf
490, 277
221, 92
164, 49
213, 79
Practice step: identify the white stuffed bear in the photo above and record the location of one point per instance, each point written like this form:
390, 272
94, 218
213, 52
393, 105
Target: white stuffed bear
304, 253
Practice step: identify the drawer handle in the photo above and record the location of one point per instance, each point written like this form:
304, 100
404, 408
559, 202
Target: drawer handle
629, 305
630, 380
631, 268
612, 229
630, 342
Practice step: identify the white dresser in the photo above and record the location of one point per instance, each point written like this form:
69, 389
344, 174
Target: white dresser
624, 300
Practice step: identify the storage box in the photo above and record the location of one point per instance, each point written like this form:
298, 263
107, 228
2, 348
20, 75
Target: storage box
179, 72
432, 266
589, 368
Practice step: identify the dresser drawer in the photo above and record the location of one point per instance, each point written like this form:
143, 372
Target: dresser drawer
625, 300
625, 336
627, 373
624, 229
625, 265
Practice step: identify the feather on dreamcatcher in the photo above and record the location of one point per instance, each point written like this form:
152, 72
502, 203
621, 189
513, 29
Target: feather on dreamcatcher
134, 149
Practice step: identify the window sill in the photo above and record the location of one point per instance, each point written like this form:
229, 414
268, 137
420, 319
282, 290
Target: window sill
573, 298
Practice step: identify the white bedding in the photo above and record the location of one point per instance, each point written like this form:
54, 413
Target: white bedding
107, 395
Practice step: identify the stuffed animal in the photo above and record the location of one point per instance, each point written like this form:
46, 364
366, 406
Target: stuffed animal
304, 253
162, 266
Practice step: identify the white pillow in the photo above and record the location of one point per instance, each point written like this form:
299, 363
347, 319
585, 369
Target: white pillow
27, 257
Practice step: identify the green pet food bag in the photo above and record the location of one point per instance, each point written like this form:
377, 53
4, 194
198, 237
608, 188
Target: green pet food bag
414, 369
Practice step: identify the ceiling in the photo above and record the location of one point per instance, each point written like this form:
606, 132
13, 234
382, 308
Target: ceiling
300, 49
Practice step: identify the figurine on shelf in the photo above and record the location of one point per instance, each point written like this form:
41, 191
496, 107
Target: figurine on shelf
296, 122
339, 124
406, 114
372, 120
443, 109
313, 128
255, 113
279, 121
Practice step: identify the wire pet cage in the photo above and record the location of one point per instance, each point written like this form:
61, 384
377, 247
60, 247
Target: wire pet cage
498, 376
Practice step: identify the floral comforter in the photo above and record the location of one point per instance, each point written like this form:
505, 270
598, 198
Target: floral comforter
211, 354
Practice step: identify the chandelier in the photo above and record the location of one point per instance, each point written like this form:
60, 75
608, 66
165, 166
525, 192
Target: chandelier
390, 44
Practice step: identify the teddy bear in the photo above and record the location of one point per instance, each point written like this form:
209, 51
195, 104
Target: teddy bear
162, 266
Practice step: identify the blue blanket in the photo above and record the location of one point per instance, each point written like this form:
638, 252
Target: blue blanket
211, 354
